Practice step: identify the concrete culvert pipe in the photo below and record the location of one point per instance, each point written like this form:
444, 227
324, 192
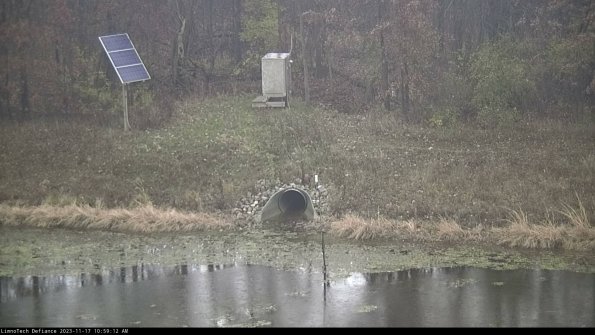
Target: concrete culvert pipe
291, 203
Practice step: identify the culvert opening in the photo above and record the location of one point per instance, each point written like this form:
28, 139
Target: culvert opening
292, 202
288, 204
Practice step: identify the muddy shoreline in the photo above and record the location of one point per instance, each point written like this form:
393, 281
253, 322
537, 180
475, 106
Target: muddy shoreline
34, 251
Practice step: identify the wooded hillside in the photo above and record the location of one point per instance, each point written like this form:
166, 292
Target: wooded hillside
490, 61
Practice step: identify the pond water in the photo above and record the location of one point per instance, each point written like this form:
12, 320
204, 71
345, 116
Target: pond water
249, 295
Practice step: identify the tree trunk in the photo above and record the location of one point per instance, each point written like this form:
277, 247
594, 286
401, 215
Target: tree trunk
442, 33
178, 45
210, 44
383, 61
330, 62
237, 30
305, 60
25, 105
6, 107
405, 106
280, 33
319, 48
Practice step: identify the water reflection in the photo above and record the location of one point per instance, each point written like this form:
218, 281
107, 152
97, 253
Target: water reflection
12, 288
227, 295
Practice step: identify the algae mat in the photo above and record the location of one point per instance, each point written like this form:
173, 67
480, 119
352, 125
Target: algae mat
31, 251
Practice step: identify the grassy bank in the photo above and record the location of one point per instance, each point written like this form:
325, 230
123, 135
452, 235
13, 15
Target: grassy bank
143, 219
578, 234
519, 232
213, 152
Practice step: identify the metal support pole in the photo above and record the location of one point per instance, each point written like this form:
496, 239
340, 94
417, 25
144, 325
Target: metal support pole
125, 97
324, 262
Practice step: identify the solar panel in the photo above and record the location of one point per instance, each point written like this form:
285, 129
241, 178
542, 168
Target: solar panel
133, 73
116, 42
124, 58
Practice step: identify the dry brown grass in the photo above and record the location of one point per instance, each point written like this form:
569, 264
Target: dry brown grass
145, 219
450, 230
408, 226
354, 227
580, 239
577, 217
580, 233
520, 232
577, 235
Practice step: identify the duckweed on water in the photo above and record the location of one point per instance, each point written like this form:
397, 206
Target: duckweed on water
29, 251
